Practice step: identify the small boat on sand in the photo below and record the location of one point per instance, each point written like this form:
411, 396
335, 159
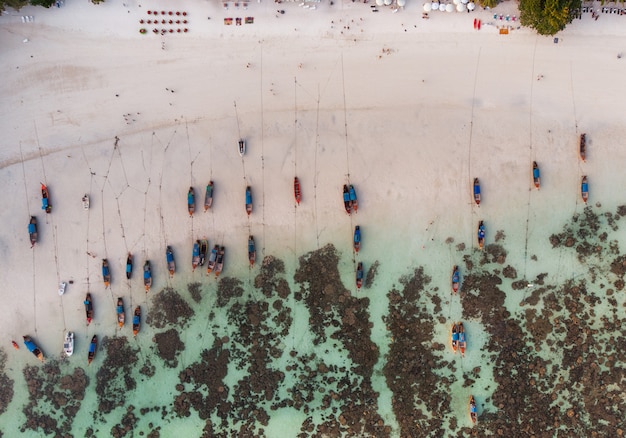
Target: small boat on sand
359, 275
208, 196
129, 266
119, 309
248, 200
481, 234
32, 231
85, 202
346, 199
583, 147
219, 262
455, 336
191, 201
251, 250
476, 191
536, 177
147, 275
456, 280
584, 189
296, 190
204, 249
462, 341
32, 347
17, 347
195, 255
92, 349
354, 202
241, 146
68, 344
171, 264
88, 308
212, 259
45, 199
472, 409
106, 273
357, 238
136, 320
62, 287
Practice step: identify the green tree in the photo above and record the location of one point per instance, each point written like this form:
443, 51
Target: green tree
44, 3
488, 3
13, 4
548, 17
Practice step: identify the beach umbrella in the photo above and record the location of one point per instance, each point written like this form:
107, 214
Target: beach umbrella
456, 2
442, 7
460, 7
427, 7
380, 2
471, 6
449, 7
435, 6
401, 3
465, 2
387, 2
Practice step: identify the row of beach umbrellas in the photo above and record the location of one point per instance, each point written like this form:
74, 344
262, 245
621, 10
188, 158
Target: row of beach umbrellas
449, 7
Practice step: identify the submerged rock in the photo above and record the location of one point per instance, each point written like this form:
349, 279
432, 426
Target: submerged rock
169, 308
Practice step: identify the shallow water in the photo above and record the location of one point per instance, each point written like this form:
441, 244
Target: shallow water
265, 364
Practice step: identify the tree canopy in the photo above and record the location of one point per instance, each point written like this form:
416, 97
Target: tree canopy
548, 17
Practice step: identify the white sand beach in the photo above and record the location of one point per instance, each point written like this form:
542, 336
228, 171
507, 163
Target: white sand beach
408, 110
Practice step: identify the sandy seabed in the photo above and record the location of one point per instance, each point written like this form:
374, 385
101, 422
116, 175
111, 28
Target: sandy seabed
406, 109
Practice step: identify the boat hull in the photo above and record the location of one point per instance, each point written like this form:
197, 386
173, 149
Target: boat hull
296, 190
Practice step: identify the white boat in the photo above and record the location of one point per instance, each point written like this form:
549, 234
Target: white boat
62, 287
68, 344
86, 202
242, 147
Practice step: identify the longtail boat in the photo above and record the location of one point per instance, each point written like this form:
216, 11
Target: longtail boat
119, 309
45, 199
195, 255
17, 347
481, 234
219, 262
136, 320
456, 281
32, 347
92, 349
129, 266
462, 341
204, 249
584, 189
208, 196
212, 259
296, 190
191, 201
248, 200
455, 336
357, 238
354, 202
171, 264
147, 275
536, 177
241, 146
359, 275
251, 250
68, 344
85, 201
346, 199
472, 409
476, 191
583, 147
32, 231
88, 308
106, 273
